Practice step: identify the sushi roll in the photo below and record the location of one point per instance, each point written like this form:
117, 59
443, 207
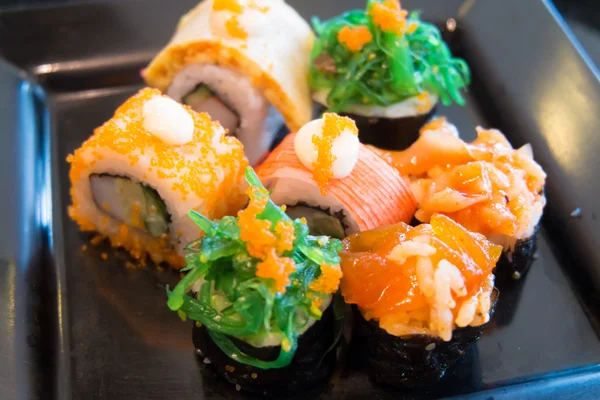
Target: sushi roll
421, 296
386, 69
486, 186
137, 176
245, 63
260, 290
323, 174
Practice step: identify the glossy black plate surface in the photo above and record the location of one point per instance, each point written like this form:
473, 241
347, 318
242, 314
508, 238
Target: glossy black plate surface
75, 326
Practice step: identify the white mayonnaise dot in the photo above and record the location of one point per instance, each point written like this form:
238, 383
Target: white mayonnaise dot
345, 148
168, 120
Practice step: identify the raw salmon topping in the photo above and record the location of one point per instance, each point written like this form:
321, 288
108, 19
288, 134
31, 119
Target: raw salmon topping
486, 186
355, 38
423, 280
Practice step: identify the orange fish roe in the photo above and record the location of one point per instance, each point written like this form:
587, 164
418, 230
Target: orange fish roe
227, 5
264, 244
329, 280
355, 38
424, 102
285, 233
234, 28
277, 268
389, 17
333, 126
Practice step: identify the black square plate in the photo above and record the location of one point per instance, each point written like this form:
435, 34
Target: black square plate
75, 326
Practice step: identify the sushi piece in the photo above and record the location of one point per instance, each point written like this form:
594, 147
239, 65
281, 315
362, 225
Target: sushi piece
260, 290
421, 296
486, 186
245, 63
386, 69
137, 176
325, 175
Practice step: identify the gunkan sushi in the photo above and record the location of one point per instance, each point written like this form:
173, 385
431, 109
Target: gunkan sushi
421, 296
323, 174
486, 186
245, 63
385, 68
260, 290
137, 176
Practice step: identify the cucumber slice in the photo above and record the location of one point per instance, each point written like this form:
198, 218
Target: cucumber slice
157, 218
130, 202
319, 222
199, 94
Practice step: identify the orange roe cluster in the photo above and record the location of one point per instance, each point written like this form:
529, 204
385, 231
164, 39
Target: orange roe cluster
333, 126
234, 28
390, 17
233, 6
355, 38
265, 242
210, 168
236, 7
424, 102
329, 280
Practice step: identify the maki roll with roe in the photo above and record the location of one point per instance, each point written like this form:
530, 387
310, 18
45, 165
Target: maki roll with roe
323, 174
385, 68
245, 63
486, 186
422, 295
260, 290
137, 176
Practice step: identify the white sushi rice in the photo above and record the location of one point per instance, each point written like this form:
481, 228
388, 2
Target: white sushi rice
411, 107
296, 189
259, 121
442, 285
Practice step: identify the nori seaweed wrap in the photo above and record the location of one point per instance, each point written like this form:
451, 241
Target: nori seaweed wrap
386, 69
313, 363
259, 288
421, 296
411, 361
514, 264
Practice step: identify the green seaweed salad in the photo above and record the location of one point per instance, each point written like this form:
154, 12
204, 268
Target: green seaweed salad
255, 275
382, 56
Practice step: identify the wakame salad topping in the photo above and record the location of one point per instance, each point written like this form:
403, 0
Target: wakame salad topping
382, 56
256, 274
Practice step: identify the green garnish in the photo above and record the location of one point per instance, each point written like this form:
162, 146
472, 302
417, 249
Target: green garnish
391, 67
234, 298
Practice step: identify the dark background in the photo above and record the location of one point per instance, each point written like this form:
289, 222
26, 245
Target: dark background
583, 17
